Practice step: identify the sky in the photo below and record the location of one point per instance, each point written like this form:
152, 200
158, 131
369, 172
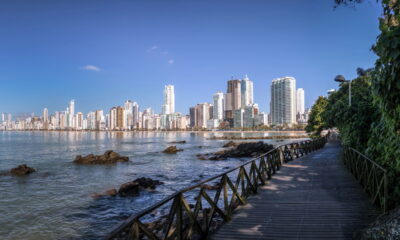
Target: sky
102, 52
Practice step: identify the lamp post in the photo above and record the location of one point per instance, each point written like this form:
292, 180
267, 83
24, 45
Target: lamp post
341, 79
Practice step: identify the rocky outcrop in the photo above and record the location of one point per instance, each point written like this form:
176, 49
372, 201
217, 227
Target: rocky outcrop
108, 157
385, 227
178, 142
249, 149
172, 150
22, 170
132, 188
108, 193
230, 144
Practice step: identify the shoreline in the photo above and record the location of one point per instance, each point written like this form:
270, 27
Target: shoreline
162, 131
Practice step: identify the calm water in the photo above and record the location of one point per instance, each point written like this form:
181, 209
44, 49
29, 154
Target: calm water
56, 203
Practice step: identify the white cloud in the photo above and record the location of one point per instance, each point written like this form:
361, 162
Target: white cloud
91, 68
153, 48
171, 61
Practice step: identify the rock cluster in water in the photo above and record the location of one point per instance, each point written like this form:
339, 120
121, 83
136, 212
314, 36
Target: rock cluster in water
107, 158
22, 170
172, 150
385, 227
230, 144
248, 149
132, 188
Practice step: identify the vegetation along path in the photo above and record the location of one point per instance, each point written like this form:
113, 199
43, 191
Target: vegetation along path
313, 197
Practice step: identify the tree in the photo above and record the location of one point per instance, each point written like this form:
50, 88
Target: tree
316, 121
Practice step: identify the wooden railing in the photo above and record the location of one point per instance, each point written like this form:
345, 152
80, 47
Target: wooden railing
195, 218
371, 176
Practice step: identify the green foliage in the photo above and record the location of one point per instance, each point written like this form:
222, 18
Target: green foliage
372, 124
384, 142
352, 121
316, 123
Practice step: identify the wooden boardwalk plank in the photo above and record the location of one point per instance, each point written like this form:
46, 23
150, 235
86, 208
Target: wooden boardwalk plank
313, 197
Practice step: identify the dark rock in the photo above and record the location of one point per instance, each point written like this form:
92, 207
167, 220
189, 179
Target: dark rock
108, 193
128, 189
178, 142
111, 192
108, 157
147, 183
172, 150
385, 227
132, 188
201, 158
230, 144
247, 149
22, 170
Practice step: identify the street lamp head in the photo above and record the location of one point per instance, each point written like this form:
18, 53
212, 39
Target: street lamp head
340, 78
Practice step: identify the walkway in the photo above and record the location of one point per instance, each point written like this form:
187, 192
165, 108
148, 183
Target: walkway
313, 197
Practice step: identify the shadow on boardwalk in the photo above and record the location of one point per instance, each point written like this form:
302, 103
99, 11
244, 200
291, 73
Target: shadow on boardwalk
314, 197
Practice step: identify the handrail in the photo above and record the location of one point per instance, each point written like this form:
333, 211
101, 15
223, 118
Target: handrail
371, 175
184, 221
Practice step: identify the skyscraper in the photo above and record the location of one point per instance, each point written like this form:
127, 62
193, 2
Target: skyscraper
233, 99
45, 115
128, 106
135, 115
203, 113
71, 113
169, 100
283, 100
219, 102
246, 92
300, 101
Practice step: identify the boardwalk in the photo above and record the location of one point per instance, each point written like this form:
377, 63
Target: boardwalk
313, 197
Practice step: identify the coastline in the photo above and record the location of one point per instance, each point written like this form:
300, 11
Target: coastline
160, 131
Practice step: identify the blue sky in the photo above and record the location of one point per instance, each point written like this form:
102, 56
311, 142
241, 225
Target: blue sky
102, 52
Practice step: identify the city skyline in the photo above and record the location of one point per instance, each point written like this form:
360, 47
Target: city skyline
56, 51
234, 109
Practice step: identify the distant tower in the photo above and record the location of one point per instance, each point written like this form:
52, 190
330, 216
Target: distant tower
135, 114
300, 101
283, 100
128, 106
169, 100
233, 100
219, 102
246, 92
45, 115
71, 113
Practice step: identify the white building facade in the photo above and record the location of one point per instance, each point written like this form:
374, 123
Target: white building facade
283, 100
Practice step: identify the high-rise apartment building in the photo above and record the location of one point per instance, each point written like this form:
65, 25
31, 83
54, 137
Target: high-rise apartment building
45, 119
128, 106
70, 114
233, 99
219, 106
300, 101
200, 114
45, 115
283, 100
79, 121
135, 115
246, 92
192, 116
99, 120
169, 100
120, 123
